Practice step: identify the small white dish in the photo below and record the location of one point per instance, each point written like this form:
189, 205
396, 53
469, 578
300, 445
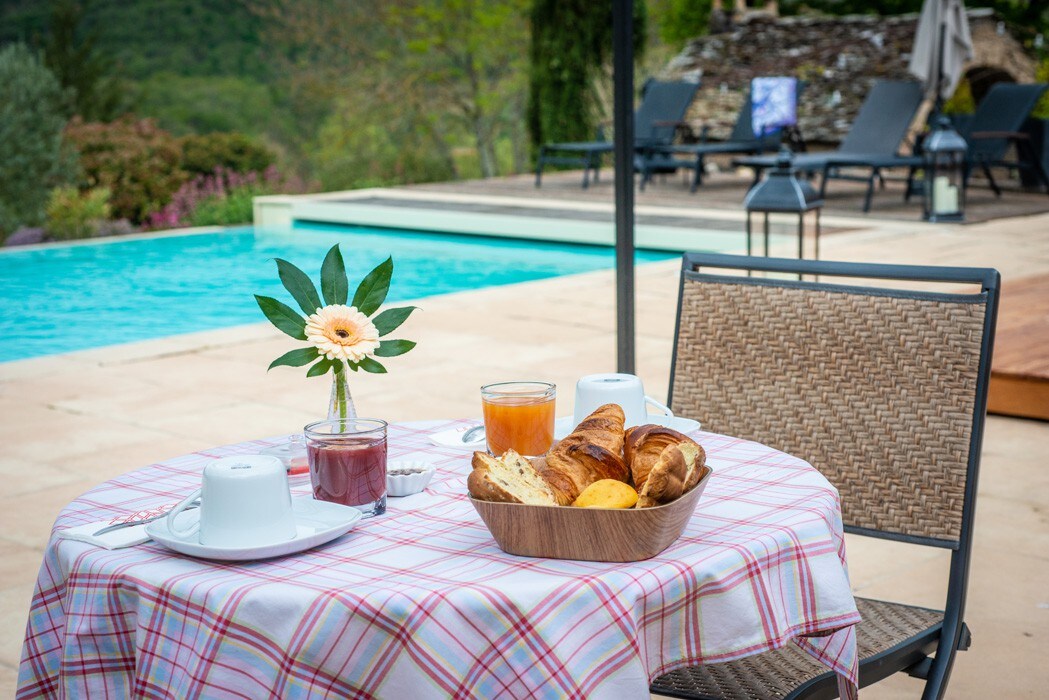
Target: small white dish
398, 485
454, 438
564, 425
316, 522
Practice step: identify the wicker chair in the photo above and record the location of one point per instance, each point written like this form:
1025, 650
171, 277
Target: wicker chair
884, 391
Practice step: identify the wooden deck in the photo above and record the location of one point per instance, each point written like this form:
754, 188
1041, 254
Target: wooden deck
1020, 370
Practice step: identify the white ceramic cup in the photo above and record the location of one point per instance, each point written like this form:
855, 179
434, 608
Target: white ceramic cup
626, 390
244, 502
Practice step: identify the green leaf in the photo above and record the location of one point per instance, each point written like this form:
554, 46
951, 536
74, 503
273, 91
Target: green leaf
299, 286
390, 319
320, 368
371, 292
295, 358
370, 365
282, 316
334, 285
393, 348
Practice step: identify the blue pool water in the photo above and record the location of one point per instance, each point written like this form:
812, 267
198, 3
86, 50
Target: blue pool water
64, 298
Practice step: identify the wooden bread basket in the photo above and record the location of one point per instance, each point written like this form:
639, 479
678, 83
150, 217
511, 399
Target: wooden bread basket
589, 534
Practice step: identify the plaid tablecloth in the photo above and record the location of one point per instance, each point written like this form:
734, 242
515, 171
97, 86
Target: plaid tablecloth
421, 603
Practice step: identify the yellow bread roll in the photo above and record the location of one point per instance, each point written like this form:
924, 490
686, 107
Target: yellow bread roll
607, 493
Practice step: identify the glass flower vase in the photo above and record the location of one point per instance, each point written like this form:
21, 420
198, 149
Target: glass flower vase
341, 404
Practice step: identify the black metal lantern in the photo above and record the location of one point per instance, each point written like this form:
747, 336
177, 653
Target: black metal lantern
781, 192
944, 179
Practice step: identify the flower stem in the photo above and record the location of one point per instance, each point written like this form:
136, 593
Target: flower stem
340, 389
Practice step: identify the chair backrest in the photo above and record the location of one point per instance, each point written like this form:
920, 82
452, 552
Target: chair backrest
1004, 108
743, 129
884, 118
883, 390
663, 106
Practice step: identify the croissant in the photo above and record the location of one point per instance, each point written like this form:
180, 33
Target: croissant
593, 451
643, 446
677, 469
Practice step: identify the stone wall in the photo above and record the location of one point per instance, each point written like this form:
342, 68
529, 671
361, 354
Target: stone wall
838, 58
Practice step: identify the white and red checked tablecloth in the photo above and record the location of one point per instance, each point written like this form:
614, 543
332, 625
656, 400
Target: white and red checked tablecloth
420, 602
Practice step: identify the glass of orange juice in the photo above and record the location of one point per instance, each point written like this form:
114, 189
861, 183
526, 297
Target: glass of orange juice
519, 416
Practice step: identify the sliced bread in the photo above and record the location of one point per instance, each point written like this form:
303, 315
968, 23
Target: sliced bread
508, 479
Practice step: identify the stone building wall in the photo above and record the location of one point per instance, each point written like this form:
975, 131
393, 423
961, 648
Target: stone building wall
839, 58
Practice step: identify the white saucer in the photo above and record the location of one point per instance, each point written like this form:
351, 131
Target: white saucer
565, 424
317, 522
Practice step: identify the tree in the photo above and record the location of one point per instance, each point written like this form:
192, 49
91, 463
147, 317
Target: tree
33, 159
397, 88
79, 65
469, 55
571, 45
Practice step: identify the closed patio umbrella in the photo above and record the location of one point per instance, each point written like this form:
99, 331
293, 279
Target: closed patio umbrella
942, 45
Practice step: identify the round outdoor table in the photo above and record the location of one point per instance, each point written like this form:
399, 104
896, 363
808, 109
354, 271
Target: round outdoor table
420, 602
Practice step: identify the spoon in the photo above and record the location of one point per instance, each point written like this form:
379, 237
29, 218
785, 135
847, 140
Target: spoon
473, 433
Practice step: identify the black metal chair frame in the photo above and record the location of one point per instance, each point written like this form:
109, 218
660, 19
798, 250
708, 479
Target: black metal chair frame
692, 156
650, 132
742, 141
952, 634
987, 148
854, 152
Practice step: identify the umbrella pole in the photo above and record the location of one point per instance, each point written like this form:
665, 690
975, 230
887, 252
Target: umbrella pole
623, 112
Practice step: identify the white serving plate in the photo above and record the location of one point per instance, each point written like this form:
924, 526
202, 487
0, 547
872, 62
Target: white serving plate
316, 522
564, 425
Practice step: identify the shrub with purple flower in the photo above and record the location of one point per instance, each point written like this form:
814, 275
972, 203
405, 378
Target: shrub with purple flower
221, 198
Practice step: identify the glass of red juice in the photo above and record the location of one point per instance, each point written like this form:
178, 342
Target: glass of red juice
347, 459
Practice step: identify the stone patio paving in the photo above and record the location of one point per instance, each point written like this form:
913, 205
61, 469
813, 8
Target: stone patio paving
74, 420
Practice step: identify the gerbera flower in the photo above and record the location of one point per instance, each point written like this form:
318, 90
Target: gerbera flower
342, 332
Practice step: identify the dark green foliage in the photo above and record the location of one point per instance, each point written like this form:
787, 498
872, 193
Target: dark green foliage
33, 106
682, 20
137, 161
204, 104
299, 285
231, 151
393, 348
390, 319
299, 357
237, 207
372, 290
75, 59
188, 37
334, 285
571, 44
283, 317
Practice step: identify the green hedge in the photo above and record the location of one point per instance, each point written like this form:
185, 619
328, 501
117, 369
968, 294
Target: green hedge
202, 154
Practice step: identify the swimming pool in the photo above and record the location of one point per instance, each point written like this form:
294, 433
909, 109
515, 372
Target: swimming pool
72, 297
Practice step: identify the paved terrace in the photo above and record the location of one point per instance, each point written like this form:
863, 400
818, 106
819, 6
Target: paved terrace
72, 421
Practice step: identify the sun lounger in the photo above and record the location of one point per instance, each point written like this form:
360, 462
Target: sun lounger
872, 143
662, 109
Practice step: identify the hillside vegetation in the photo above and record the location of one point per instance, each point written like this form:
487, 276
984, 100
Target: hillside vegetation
336, 93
